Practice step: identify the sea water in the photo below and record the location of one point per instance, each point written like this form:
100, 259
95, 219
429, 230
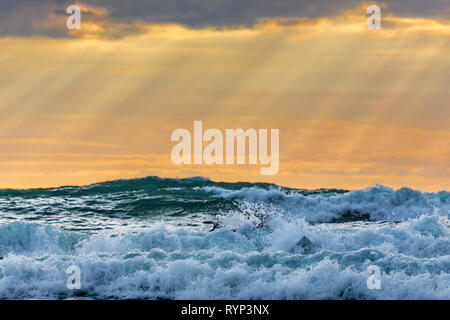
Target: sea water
150, 238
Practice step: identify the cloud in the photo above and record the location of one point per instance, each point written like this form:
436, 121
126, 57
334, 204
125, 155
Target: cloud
115, 18
315, 154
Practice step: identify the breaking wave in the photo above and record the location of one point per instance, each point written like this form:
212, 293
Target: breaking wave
149, 239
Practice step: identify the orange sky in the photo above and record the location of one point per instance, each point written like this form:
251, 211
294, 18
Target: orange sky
354, 106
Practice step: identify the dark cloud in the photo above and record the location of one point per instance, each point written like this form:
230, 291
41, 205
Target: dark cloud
27, 17
247, 12
31, 17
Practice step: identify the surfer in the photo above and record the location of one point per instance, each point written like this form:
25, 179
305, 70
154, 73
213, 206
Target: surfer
216, 225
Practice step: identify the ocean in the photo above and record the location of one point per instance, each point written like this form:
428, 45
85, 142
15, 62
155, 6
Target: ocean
151, 238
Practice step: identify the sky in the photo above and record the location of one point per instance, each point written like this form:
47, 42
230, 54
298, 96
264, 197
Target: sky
355, 107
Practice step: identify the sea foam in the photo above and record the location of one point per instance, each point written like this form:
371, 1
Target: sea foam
153, 250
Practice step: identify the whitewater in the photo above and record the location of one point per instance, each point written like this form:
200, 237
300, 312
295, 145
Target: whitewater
150, 238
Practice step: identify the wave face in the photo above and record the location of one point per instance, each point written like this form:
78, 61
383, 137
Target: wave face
149, 239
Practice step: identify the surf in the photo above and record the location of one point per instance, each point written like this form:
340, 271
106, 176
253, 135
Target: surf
149, 238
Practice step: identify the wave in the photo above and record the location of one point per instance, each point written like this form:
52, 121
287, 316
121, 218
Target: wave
377, 203
162, 263
149, 238
154, 198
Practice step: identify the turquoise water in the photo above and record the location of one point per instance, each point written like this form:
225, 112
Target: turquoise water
149, 239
